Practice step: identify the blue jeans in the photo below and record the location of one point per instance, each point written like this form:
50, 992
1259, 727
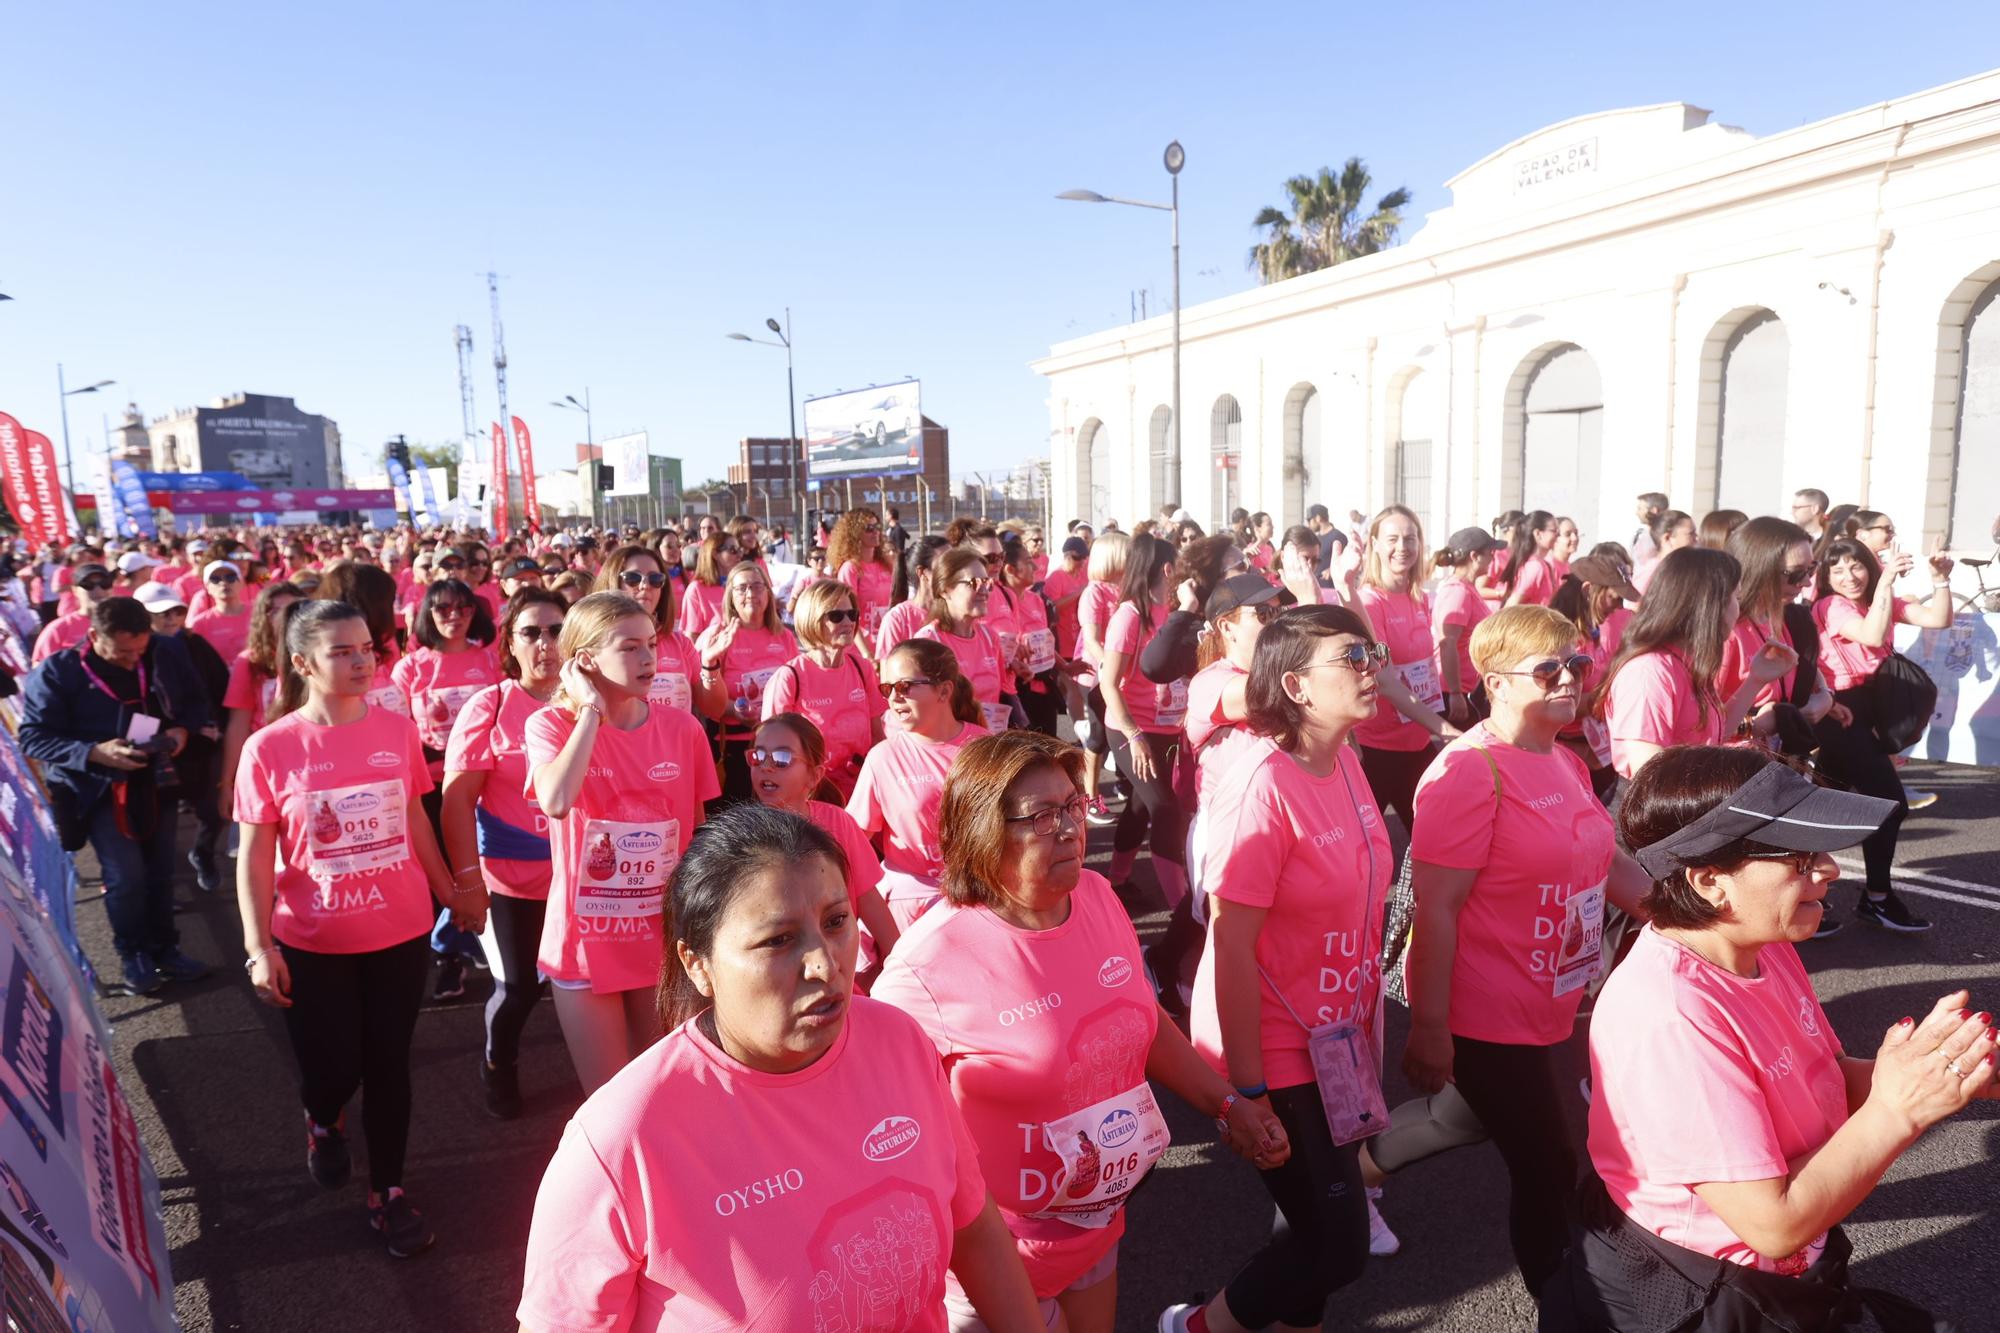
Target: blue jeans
138, 879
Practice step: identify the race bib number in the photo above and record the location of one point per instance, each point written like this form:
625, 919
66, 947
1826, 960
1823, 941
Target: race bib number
670, 690
441, 708
1580, 957
386, 697
626, 866
1041, 650
1599, 738
1170, 703
998, 716
1422, 683
1106, 1150
356, 830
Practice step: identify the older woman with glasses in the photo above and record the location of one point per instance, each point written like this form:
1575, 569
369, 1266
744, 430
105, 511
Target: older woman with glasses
830, 682
1730, 1130
1511, 870
1025, 918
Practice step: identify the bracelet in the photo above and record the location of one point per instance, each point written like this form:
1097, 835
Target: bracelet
463, 870
1222, 1116
1252, 1093
251, 961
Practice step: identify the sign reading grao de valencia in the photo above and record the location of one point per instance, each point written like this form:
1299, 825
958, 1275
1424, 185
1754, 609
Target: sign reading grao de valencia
1577, 159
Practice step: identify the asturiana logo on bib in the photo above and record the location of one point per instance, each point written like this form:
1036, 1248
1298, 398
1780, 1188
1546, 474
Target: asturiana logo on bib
640, 842
1117, 1127
360, 803
664, 771
385, 759
892, 1137
1117, 970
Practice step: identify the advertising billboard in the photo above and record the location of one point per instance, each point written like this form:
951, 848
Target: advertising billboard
875, 432
626, 456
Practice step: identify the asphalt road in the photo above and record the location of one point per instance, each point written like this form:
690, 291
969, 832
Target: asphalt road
255, 1245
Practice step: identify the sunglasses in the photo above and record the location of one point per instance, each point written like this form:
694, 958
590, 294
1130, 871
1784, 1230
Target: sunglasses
899, 690
553, 571
1547, 673
975, 583
1798, 578
94, 585
871, 527
536, 633
1888, 528
222, 576
481, 564
632, 578
840, 616
994, 561
451, 609
450, 566
1263, 612
781, 758
1046, 820
1366, 658
1803, 863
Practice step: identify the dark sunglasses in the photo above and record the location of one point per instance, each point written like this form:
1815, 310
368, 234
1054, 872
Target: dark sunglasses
536, 633
1265, 612
1366, 658
481, 564
995, 560
840, 616
450, 566
632, 578
553, 571
94, 585
222, 576
1798, 578
975, 583
780, 758
451, 608
1547, 673
871, 527
899, 690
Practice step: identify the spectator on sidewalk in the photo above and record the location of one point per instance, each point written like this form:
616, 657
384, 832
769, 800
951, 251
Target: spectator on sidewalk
110, 774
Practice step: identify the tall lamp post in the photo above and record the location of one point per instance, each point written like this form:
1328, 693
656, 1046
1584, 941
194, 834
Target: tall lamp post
65, 394
569, 404
796, 469
1175, 158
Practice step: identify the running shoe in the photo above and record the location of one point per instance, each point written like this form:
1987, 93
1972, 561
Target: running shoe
1098, 815
1890, 912
400, 1225
1919, 800
327, 1158
502, 1085
450, 979
137, 976
1829, 925
1381, 1240
1174, 1319
205, 877
177, 966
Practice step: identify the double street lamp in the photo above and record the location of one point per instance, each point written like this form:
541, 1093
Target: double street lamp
794, 470
569, 404
64, 394
1175, 158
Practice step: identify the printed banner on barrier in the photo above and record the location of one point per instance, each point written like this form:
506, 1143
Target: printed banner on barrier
1963, 659
307, 504
500, 515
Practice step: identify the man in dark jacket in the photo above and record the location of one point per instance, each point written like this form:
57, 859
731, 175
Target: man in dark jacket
105, 719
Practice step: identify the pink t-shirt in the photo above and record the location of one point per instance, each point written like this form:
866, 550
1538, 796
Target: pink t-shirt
897, 796
437, 686
864, 867
1701, 1076
249, 691
1403, 621
979, 660
490, 737
1745, 639
700, 605
872, 585
751, 660
65, 631
489, 592
900, 622
1457, 602
1652, 700
611, 856
1537, 581
1032, 1026
842, 702
347, 878
676, 667
228, 635
1094, 609
692, 1192
1545, 840
1003, 617
1611, 631
1059, 584
1846, 662
1313, 853
1216, 741
1158, 709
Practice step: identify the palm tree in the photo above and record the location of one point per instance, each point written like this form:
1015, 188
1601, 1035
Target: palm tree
1326, 225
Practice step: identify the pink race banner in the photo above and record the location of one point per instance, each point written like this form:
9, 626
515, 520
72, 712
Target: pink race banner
13, 471
43, 485
274, 502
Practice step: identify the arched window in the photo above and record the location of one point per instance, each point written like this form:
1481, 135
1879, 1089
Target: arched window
1562, 438
1302, 452
1093, 472
1750, 461
1225, 435
1160, 454
1416, 427
1975, 486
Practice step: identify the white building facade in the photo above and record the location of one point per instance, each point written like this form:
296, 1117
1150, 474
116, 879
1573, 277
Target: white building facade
1634, 301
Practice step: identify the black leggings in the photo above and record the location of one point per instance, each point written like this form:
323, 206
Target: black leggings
1099, 740
1393, 776
735, 772
1852, 755
1042, 701
1319, 1242
351, 1021
517, 933
1153, 800
1512, 1089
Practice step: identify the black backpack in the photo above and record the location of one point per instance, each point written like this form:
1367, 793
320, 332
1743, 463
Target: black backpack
1904, 697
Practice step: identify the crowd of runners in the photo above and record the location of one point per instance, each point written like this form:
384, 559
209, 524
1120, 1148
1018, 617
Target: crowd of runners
796, 841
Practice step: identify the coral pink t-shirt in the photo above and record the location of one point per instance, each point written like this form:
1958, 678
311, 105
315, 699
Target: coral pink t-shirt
1744, 641
900, 622
676, 667
872, 586
1701, 1076
1537, 581
65, 631
753, 657
1038, 639
864, 867
1060, 584
979, 661
897, 795
842, 702
249, 691
700, 605
694, 1193
611, 856
489, 592
228, 635
1313, 853
1093, 609
1652, 700
347, 878
1216, 741
438, 685
1403, 621
1457, 602
1544, 841
1158, 709
1846, 662
1032, 1025
490, 737
1003, 617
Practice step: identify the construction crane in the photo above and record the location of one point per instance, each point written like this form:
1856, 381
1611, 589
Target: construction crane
500, 368
463, 336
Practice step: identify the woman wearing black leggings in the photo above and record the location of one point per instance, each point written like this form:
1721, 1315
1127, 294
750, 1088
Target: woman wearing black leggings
496, 837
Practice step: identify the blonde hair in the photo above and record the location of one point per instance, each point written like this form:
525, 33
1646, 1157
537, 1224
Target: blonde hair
1515, 633
1107, 558
1374, 569
585, 629
810, 608
772, 621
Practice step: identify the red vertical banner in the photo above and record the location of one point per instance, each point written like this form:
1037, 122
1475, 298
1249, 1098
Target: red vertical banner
13, 478
44, 484
534, 513
499, 483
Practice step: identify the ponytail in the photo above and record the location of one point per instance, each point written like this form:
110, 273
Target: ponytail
937, 661
303, 623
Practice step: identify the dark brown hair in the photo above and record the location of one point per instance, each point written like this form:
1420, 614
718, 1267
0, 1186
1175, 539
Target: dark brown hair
614, 565
1672, 790
1760, 547
940, 664
504, 640
1286, 646
1683, 612
972, 817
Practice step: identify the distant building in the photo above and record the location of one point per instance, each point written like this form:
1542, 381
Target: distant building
266, 438
767, 479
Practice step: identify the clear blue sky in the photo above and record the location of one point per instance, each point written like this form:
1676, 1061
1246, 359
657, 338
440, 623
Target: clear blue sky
298, 199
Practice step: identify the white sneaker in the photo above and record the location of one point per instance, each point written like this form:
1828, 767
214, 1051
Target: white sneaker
1381, 1240
1919, 800
1174, 1319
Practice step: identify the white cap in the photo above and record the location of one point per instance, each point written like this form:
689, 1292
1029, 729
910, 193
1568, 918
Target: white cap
133, 561
1178, 516
158, 597
196, 545
214, 565
561, 539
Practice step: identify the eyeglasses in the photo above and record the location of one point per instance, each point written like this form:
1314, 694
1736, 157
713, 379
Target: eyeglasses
1046, 820
1546, 674
1798, 578
450, 609
94, 585
871, 527
994, 561
899, 690
1803, 863
1263, 612
840, 616
1365, 658
222, 576
536, 633
781, 758
1889, 528
480, 564
750, 587
632, 578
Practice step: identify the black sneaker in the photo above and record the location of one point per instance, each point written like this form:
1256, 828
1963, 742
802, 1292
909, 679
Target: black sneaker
1829, 925
327, 1158
177, 966
205, 877
400, 1225
450, 978
503, 1089
137, 976
1890, 912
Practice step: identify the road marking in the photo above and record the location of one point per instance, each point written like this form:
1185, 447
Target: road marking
1924, 886
1926, 877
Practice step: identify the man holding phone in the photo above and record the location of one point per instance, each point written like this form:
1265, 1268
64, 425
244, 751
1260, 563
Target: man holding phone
106, 719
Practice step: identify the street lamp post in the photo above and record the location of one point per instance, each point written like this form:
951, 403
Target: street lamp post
569, 404
795, 462
1175, 158
64, 394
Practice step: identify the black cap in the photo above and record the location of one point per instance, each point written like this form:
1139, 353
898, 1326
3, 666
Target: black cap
1780, 807
1473, 541
1238, 590
85, 571
1076, 546
586, 543
522, 564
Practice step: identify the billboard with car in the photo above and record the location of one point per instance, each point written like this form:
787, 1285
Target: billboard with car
874, 432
